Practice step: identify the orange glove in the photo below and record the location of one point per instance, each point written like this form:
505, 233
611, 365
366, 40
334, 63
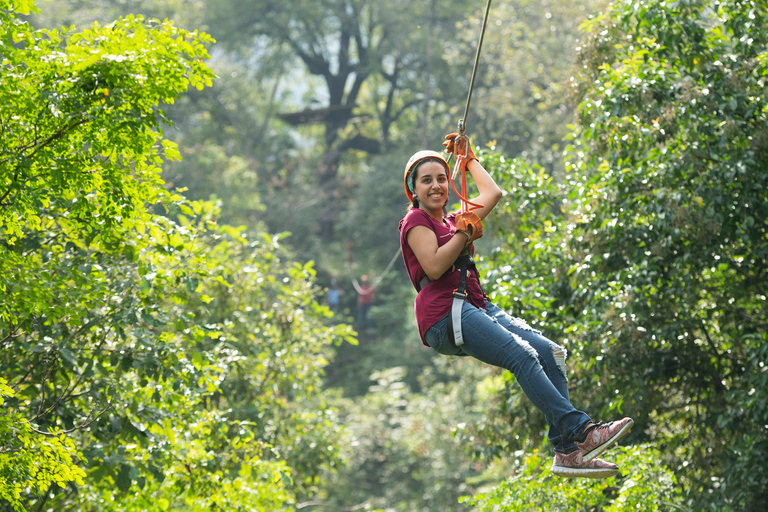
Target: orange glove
471, 223
465, 148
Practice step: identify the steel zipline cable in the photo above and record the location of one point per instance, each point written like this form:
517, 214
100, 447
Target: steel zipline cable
463, 120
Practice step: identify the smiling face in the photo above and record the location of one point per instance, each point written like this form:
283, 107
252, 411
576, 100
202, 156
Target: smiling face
431, 187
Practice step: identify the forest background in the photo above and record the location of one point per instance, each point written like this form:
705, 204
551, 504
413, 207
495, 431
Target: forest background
176, 197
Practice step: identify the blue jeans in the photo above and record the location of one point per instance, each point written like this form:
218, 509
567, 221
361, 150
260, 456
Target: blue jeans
363, 321
538, 364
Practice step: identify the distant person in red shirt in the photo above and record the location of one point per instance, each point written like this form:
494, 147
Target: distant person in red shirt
365, 295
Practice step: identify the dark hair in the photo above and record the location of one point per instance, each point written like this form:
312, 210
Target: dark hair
412, 180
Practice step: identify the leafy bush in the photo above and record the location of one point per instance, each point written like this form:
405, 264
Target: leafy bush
647, 261
643, 484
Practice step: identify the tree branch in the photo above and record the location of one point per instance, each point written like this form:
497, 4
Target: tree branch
719, 386
363, 143
57, 401
10, 187
37, 146
13, 332
316, 64
45, 498
73, 429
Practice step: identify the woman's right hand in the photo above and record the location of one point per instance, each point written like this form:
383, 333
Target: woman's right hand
470, 222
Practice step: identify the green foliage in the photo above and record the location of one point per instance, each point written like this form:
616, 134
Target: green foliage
84, 117
674, 123
647, 262
29, 461
150, 362
399, 449
643, 484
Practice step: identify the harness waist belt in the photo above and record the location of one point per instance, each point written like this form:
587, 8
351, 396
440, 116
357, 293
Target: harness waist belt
463, 261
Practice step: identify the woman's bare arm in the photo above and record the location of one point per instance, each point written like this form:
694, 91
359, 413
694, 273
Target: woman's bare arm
488, 192
433, 259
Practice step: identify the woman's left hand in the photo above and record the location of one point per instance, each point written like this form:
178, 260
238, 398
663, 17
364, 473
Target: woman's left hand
465, 148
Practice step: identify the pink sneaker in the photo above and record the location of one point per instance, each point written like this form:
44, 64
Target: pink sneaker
572, 465
601, 436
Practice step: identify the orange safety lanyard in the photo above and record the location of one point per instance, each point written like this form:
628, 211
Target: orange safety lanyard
461, 163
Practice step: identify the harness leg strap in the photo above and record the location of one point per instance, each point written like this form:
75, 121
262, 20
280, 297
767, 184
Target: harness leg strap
459, 296
458, 302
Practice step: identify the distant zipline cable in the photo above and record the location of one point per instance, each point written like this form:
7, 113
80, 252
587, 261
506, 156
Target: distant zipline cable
378, 280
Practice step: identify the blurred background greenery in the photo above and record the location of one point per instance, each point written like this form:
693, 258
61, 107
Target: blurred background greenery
630, 139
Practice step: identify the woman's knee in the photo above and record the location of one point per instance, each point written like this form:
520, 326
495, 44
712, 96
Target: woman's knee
549, 352
559, 354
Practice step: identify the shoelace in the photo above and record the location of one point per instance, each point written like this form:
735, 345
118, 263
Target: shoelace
599, 424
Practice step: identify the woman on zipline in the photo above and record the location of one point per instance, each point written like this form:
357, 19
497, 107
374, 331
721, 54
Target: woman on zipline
437, 249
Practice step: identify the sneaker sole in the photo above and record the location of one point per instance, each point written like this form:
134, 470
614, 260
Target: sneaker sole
604, 447
567, 472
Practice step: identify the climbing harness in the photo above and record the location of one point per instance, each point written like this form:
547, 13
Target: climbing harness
464, 263
459, 296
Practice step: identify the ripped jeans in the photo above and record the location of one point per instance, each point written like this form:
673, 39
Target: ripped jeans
538, 364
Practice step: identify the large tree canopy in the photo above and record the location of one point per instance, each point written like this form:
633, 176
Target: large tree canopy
151, 358
376, 62
650, 260
674, 121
